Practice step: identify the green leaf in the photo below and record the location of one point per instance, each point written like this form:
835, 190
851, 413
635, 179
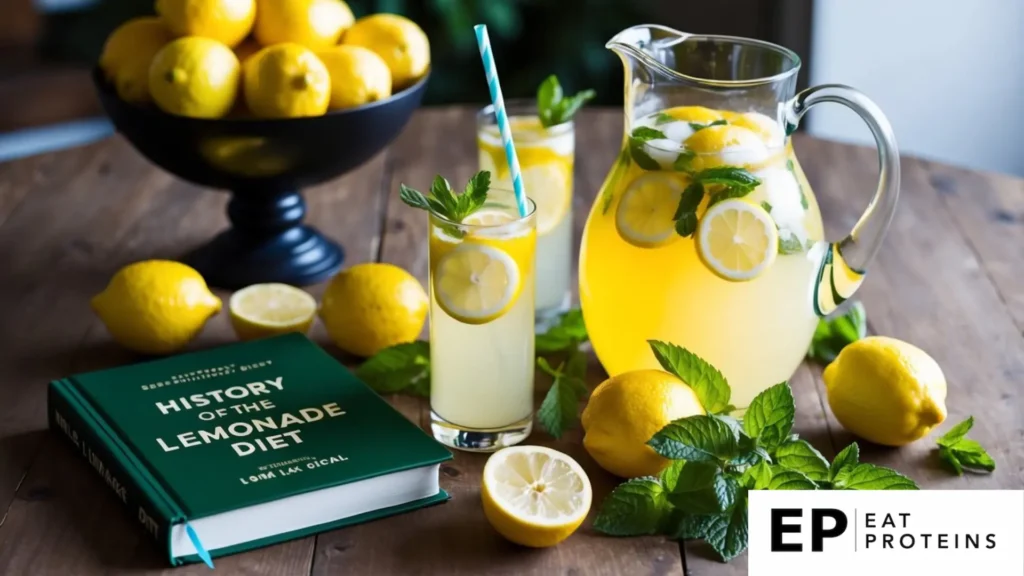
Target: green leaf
443, 201
956, 433
645, 133
729, 176
567, 333
832, 335
697, 126
686, 225
694, 526
767, 206
568, 107
803, 196
441, 189
769, 418
757, 477
663, 118
689, 200
726, 194
634, 508
670, 475
400, 368
641, 157
475, 195
727, 533
947, 456
696, 439
683, 161
706, 381
701, 488
789, 243
802, 457
783, 479
413, 198
848, 457
871, 477
560, 409
549, 94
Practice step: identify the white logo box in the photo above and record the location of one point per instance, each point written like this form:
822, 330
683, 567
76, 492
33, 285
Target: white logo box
933, 532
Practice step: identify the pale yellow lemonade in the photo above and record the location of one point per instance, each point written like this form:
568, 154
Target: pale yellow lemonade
482, 322
722, 293
546, 162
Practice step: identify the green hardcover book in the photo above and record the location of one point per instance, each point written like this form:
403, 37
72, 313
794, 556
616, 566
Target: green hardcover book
238, 447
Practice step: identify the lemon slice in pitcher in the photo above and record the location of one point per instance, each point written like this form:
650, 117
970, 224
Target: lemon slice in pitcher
534, 496
476, 283
646, 214
737, 240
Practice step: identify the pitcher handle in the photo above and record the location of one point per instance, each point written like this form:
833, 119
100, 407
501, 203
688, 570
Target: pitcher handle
842, 266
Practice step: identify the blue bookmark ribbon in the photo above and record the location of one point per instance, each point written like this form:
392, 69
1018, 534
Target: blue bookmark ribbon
200, 549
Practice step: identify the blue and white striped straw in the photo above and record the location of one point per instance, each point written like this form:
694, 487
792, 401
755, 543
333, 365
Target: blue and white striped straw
499, 113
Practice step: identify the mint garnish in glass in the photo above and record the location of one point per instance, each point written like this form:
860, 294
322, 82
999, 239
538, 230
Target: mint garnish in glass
554, 107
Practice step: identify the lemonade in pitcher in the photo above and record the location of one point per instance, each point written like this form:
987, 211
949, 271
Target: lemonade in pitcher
706, 233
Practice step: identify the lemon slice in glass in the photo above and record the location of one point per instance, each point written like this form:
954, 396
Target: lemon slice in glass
263, 310
646, 214
737, 240
476, 283
534, 496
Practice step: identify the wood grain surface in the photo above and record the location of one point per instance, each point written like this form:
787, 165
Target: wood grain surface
947, 280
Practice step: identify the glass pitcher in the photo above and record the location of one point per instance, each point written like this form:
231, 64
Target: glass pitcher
706, 233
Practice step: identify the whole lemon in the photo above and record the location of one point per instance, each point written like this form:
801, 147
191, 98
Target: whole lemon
196, 77
625, 411
127, 54
358, 76
886, 390
396, 39
286, 81
227, 21
155, 306
315, 24
370, 307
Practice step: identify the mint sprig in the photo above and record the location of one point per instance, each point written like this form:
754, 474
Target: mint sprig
698, 126
554, 107
960, 452
720, 183
834, 334
637, 138
716, 460
559, 411
444, 202
400, 368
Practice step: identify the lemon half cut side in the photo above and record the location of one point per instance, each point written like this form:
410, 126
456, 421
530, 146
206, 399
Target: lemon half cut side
535, 496
737, 240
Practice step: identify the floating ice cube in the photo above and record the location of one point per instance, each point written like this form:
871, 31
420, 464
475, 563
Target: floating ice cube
678, 132
663, 151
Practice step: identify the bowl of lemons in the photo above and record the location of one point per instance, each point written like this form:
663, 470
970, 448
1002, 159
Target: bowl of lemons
262, 98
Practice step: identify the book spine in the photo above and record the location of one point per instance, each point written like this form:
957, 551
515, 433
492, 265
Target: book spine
87, 437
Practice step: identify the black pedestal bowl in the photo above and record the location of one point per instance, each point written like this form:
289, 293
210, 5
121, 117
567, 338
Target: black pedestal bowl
264, 164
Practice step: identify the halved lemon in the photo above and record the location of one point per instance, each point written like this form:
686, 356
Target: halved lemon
646, 214
737, 240
696, 114
263, 310
476, 283
534, 496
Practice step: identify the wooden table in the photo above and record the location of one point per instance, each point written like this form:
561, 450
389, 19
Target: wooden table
948, 279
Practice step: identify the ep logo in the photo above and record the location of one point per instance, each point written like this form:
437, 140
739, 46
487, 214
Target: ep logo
824, 523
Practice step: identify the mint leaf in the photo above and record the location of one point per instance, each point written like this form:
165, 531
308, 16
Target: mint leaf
783, 479
769, 418
560, 408
832, 335
956, 433
549, 94
803, 196
686, 212
475, 194
634, 508
645, 133
670, 475
727, 533
800, 456
663, 118
706, 381
871, 477
847, 458
636, 147
695, 526
683, 161
400, 368
767, 206
697, 126
567, 333
727, 193
730, 176
701, 488
696, 439
757, 477
686, 225
443, 202
789, 243
568, 107
961, 452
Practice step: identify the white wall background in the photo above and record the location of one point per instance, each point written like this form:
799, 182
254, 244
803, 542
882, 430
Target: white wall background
949, 75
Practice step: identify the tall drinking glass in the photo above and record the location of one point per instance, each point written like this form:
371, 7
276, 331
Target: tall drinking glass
482, 325
546, 158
